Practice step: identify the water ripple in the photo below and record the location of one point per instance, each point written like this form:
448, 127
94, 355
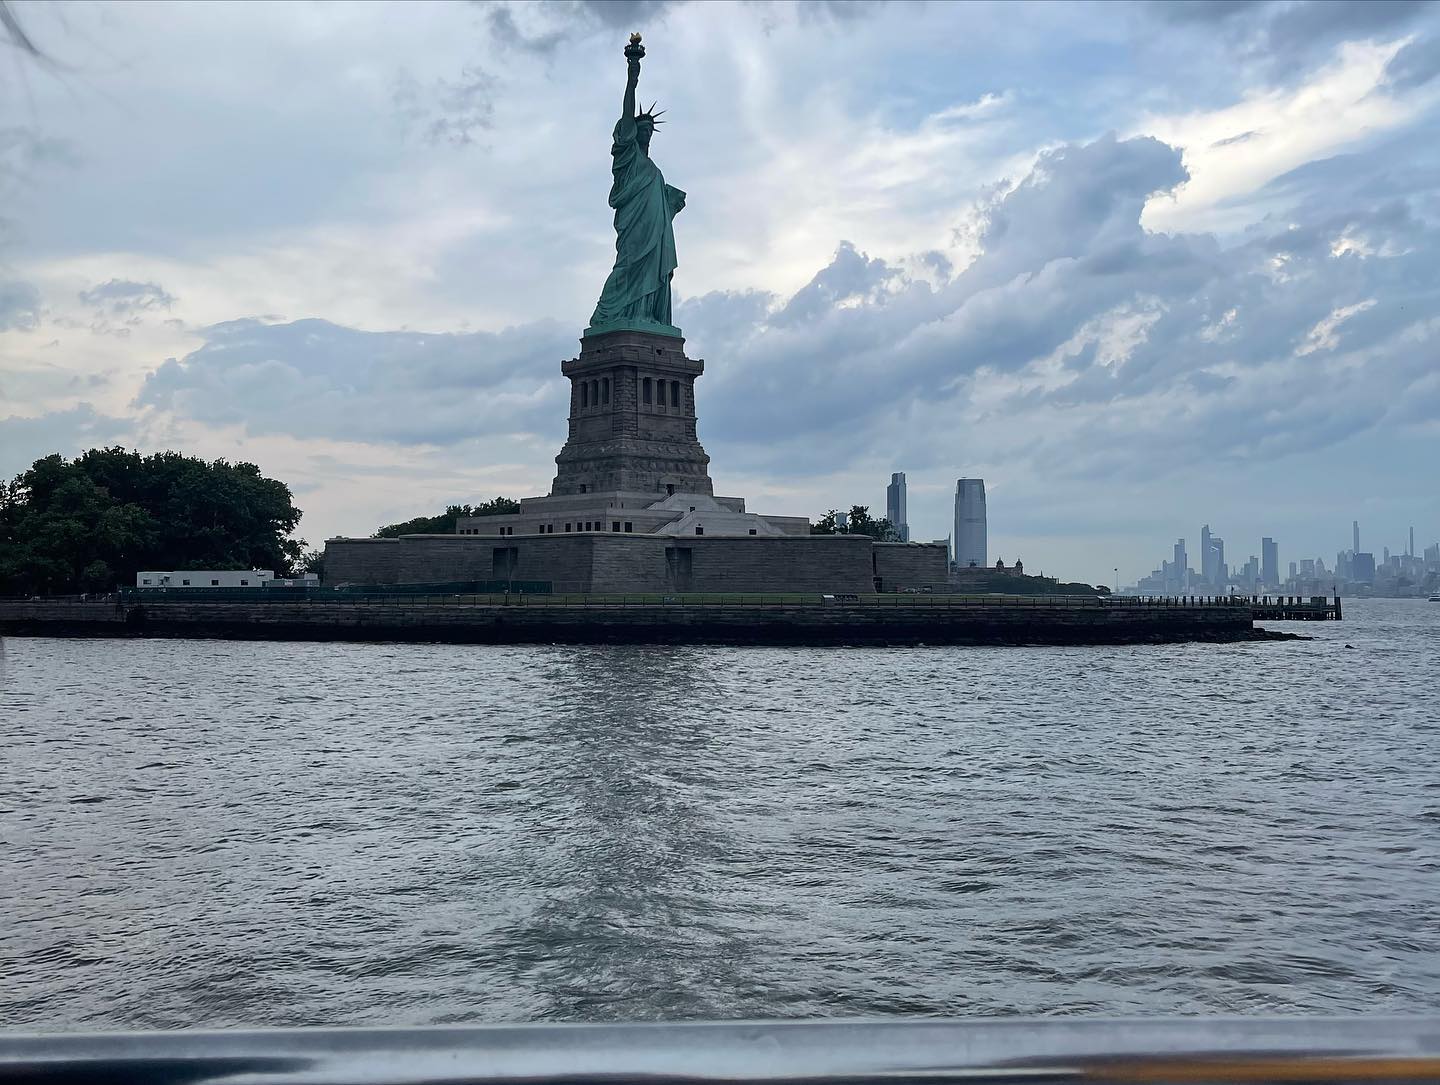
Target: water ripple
214, 834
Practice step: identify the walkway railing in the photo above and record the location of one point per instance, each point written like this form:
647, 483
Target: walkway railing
1274, 608
917, 600
934, 1051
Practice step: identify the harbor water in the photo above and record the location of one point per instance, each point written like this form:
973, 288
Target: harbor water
209, 833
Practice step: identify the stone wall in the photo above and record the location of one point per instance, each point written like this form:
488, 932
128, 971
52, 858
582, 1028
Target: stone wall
542, 621
808, 563
911, 565
632, 418
608, 562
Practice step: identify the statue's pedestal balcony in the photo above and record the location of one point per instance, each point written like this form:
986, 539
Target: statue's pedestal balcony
632, 417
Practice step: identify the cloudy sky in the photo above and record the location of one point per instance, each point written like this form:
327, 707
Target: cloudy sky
1137, 266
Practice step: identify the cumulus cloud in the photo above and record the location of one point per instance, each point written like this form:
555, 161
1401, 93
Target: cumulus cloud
1287, 33
1078, 342
543, 28
311, 378
445, 111
1415, 64
1078, 345
123, 298
19, 306
910, 248
1081, 343
24, 439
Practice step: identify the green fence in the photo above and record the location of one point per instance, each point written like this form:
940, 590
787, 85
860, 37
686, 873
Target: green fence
537, 594
305, 594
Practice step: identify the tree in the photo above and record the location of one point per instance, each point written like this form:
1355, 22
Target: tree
312, 561
860, 522
825, 525
92, 522
444, 524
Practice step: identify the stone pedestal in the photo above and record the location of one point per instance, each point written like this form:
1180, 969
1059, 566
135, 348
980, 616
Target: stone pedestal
632, 418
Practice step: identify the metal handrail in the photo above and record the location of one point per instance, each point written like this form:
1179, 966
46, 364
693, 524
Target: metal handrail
713, 599
768, 599
883, 1052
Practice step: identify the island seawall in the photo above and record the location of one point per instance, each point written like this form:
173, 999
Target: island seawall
598, 619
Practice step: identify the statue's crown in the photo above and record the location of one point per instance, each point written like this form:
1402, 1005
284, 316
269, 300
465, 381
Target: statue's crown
650, 115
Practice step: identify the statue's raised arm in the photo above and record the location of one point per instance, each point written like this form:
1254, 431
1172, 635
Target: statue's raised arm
637, 293
633, 53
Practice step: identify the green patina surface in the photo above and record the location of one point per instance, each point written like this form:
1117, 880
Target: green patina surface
626, 324
636, 296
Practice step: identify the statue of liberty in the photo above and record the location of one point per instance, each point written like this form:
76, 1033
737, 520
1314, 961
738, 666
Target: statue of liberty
637, 293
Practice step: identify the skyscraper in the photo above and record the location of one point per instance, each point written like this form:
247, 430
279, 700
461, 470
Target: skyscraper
1181, 581
970, 531
895, 505
1207, 565
1355, 535
1269, 563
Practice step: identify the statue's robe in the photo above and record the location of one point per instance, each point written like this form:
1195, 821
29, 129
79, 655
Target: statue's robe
638, 288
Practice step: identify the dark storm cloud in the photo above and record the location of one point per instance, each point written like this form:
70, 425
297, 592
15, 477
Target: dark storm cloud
1415, 64
1286, 37
1296, 26
1201, 11
311, 378
506, 31
1292, 23
570, 18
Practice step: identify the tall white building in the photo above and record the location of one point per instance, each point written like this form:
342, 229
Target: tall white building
895, 505
970, 534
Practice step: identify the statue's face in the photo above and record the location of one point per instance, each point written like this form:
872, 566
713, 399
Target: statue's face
644, 129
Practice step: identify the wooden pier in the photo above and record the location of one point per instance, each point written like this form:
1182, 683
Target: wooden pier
1275, 608
1296, 608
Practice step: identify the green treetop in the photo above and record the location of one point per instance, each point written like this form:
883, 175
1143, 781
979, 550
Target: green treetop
444, 524
91, 523
859, 522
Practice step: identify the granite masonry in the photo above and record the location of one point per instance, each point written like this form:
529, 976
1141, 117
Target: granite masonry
604, 562
633, 509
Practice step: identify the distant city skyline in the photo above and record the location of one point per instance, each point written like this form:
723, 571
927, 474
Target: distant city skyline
1075, 557
1398, 572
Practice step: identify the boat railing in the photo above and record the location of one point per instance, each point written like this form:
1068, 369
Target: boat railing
932, 1051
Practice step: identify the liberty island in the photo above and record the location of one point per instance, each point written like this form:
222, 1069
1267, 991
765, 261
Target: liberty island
632, 506
632, 543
